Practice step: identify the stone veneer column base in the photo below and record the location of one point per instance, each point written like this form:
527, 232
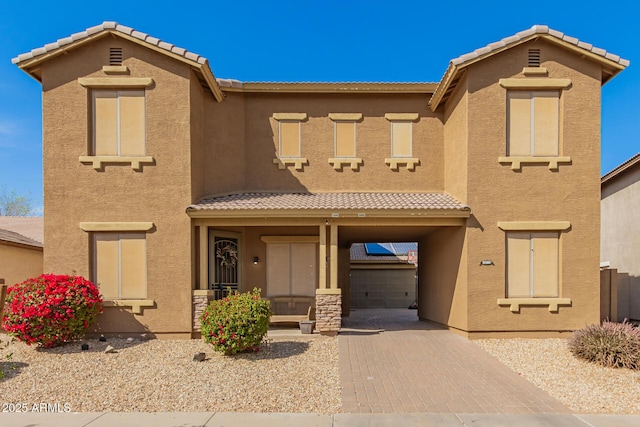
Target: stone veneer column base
200, 303
328, 311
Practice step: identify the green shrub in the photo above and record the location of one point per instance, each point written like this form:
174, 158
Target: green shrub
611, 344
50, 309
236, 323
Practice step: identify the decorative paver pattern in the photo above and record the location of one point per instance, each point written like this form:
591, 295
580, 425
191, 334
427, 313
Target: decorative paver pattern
390, 362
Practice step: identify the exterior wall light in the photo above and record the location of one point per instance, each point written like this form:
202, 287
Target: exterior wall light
256, 259
486, 262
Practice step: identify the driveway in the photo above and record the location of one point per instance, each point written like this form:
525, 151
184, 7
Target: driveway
390, 362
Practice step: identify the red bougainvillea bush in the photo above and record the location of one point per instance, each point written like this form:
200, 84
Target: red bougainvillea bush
50, 310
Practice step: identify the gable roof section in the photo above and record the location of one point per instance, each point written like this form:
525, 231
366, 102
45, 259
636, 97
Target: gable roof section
29, 61
620, 170
612, 63
17, 239
323, 204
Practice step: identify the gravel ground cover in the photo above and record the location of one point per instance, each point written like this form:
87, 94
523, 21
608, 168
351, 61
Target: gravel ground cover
288, 374
582, 386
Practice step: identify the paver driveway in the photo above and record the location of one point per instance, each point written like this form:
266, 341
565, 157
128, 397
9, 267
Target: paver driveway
392, 362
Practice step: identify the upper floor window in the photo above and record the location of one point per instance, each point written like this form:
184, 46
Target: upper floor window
344, 141
533, 123
118, 122
289, 140
402, 140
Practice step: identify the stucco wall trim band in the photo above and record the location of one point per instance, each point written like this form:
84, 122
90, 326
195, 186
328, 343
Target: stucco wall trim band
345, 116
534, 225
290, 239
535, 83
136, 304
517, 161
115, 82
515, 303
136, 162
116, 226
290, 116
401, 116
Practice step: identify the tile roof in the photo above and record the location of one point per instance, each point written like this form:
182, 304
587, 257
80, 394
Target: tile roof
462, 61
310, 201
12, 237
29, 226
112, 26
620, 169
537, 29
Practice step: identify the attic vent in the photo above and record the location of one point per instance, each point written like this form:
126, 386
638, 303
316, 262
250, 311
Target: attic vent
115, 56
534, 57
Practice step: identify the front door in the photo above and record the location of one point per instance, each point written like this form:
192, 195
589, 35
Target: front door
224, 262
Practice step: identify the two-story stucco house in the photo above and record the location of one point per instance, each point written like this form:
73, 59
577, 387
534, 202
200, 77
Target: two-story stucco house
165, 185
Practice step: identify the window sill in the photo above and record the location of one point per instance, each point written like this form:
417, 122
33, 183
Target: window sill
411, 162
517, 161
515, 303
339, 162
136, 304
297, 162
136, 162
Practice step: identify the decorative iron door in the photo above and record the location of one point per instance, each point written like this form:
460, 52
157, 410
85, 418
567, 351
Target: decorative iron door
224, 257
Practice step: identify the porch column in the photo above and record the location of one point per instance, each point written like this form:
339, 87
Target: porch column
329, 300
203, 254
322, 258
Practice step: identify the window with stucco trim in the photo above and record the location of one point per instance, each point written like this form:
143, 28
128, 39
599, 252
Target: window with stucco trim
120, 265
289, 138
401, 139
345, 139
118, 123
533, 123
292, 269
532, 264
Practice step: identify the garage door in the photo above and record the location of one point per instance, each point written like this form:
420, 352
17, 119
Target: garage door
384, 288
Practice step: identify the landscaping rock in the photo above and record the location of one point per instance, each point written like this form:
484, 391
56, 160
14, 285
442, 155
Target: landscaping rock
199, 357
110, 349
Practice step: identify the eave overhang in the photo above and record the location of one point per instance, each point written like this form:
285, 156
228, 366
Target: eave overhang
229, 85
611, 64
31, 62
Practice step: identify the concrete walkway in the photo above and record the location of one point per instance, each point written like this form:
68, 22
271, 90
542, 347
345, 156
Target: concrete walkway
390, 362
210, 419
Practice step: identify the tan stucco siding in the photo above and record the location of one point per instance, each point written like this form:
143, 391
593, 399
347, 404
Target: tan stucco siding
19, 263
442, 277
373, 144
497, 193
75, 192
456, 139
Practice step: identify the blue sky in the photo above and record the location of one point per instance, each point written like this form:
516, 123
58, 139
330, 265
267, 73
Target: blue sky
328, 40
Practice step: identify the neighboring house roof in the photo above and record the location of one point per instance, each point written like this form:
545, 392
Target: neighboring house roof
231, 85
28, 61
29, 226
612, 63
619, 170
11, 237
359, 253
361, 202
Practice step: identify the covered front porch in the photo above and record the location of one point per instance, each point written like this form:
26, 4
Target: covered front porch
298, 244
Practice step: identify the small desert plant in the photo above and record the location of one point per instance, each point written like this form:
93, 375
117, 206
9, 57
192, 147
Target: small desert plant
3, 346
611, 344
236, 323
50, 310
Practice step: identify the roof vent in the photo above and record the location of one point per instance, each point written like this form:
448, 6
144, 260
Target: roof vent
534, 57
115, 56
